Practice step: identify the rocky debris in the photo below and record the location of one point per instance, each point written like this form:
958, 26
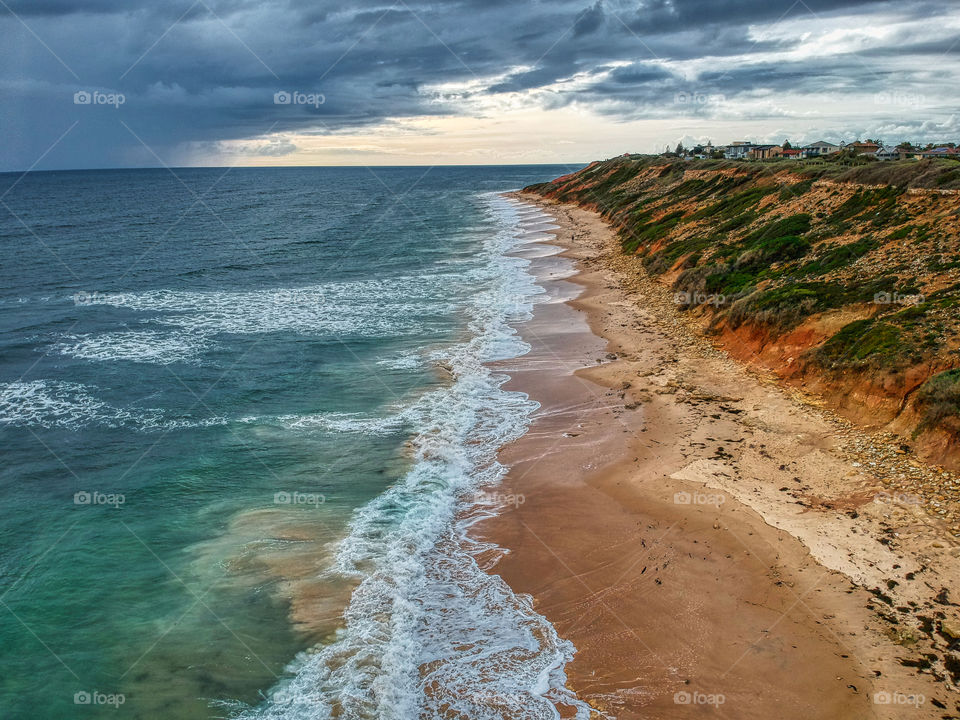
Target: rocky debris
910, 482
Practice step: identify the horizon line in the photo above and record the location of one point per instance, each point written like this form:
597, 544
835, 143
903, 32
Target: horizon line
283, 167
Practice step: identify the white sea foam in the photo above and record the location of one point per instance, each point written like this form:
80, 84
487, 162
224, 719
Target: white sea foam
68, 405
389, 307
138, 345
402, 361
343, 422
51, 404
428, 633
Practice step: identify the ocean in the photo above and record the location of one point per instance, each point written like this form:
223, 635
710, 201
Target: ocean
247, 421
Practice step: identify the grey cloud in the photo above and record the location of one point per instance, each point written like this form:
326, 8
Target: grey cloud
589, 20
212, 75
531, 79
661, 16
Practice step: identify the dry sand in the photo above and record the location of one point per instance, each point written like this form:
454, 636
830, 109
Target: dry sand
696, 531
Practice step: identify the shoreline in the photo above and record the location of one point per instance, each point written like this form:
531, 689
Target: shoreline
694, 531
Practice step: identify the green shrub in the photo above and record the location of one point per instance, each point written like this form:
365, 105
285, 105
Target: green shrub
650, 232
798, 224
864, 344
730, 283
884, 199
787, 247
694, 280
741, 220
788, 192
663, 260
938, 401
785, 307
838, 256
735, 204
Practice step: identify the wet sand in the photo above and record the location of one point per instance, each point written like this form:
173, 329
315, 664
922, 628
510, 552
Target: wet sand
674, 523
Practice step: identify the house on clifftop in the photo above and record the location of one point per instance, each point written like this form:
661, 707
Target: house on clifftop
738, 150
821, 147
890, 153
941, 152
864, 148
765, 152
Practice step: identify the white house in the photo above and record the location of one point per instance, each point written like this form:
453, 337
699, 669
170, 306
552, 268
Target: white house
888, 152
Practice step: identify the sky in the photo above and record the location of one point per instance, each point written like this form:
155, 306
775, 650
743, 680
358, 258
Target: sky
151, 83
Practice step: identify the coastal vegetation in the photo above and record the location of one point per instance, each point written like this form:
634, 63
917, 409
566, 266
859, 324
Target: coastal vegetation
939, 401
842, 271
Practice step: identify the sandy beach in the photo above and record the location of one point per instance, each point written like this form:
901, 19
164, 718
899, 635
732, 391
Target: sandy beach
706, 539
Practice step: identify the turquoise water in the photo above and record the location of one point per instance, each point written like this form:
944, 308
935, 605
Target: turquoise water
245, 417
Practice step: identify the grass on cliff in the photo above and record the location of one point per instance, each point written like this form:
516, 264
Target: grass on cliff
834, 257
735, 270
721, 226
864, 344
782, 307
879, 206
938, 401
731, 206
650, 231
892, 341
774, 273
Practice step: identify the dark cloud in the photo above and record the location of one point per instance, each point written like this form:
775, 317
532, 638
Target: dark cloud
589, 20
532, 78
27, 8
207, 71
661, 16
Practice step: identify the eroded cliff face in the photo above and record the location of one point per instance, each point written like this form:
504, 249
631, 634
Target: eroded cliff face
840, 277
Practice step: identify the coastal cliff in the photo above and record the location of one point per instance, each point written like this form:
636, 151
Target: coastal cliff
841, 277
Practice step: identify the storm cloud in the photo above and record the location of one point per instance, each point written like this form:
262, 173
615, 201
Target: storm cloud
112, 83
